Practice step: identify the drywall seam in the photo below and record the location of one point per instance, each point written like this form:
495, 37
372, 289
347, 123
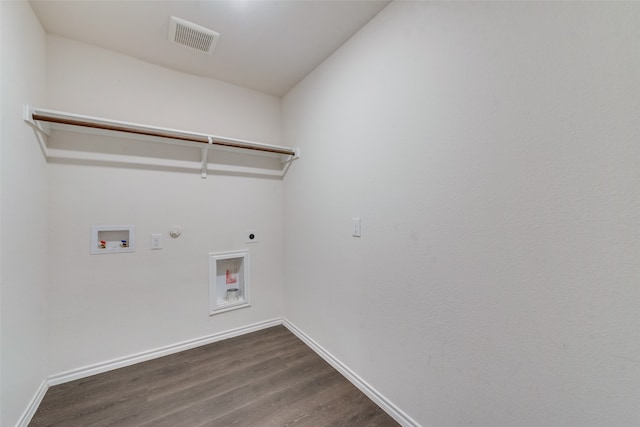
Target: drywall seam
101, 367
362, 385
25, 419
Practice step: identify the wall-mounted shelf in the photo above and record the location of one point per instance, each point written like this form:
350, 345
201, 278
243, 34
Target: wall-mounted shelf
43, 121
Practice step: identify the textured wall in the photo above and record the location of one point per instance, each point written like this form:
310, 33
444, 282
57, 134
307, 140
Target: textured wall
492, 152
23, 214
108, 306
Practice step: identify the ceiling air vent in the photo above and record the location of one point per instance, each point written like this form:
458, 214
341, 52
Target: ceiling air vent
191, 35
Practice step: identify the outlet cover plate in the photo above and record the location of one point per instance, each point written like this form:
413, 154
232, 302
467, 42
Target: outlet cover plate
251, 236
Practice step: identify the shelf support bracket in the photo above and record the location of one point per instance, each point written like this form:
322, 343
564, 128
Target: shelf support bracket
41, 131
204, 152
289, 160
293, 157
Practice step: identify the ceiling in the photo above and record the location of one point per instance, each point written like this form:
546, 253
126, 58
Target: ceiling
265, 45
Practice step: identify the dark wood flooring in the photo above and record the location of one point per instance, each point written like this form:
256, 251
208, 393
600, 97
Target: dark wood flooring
265, 378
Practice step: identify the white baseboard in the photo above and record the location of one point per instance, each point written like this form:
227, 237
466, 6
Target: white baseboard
121, 362
391, 409
25, 419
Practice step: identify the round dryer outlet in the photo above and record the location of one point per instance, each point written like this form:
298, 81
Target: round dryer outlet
251, 236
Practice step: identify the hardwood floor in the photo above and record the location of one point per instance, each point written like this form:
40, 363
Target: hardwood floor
266, 378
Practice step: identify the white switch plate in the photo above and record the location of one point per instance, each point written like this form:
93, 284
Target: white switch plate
355, 227
156, 241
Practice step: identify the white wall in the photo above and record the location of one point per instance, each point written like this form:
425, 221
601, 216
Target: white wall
492, 151
107, 306
23, 266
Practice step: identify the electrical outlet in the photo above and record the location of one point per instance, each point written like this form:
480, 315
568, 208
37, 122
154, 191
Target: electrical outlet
251, 236
156, 242
355, 227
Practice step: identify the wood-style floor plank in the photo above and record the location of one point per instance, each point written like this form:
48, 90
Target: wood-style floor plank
266, 378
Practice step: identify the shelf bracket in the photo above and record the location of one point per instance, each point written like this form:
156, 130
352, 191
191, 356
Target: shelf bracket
41, 130
292, 157
204, 152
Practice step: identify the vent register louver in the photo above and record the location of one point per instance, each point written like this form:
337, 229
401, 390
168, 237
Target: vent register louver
193, 36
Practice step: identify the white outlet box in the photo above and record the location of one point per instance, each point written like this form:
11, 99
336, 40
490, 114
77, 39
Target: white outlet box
112, 239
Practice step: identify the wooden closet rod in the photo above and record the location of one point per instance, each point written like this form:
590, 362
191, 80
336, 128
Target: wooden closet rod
159, 134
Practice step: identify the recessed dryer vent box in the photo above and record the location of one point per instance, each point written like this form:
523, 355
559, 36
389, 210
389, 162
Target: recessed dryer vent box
228, 281
112, 239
